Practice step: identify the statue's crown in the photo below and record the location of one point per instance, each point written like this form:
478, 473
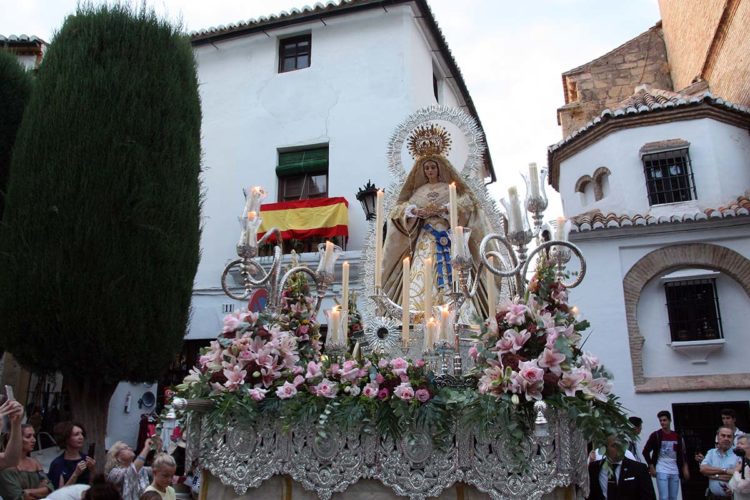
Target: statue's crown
428, 140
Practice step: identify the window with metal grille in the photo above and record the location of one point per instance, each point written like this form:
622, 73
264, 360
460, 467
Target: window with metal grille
693, 308
294, 53
669, 177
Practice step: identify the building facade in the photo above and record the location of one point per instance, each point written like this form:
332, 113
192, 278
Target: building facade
657, 188
304, 104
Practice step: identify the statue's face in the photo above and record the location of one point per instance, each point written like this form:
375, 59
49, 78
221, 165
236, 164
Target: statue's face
431, 170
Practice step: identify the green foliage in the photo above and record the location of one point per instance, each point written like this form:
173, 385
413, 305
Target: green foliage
15, 87
100, 241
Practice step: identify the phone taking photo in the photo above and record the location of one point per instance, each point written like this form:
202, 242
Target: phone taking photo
92, 450
9, 393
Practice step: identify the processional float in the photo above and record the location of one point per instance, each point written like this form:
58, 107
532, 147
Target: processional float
413, 374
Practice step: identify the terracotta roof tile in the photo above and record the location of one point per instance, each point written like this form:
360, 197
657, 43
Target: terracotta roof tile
595, 219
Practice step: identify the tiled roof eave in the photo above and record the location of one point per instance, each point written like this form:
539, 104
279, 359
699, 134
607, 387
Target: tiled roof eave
609, 121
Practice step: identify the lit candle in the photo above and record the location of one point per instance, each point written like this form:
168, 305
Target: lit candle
429, 278
345, 298
379, 239
405, 301
491, 290
430, 332
574, 311
251, 215
453, 207
560, 229
334, 320
534, 180
444, 323
514, 217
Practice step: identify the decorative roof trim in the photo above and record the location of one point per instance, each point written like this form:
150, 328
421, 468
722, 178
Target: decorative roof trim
704, 106
330, 9
596, 220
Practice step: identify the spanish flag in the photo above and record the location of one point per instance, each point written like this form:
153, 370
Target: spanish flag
299, 220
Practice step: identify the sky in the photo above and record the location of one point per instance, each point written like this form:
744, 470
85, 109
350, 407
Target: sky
511, 55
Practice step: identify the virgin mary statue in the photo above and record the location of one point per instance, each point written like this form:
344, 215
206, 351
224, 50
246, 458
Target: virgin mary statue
419, 227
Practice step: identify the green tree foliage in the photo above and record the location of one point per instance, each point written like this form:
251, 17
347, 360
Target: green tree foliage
15, 87
100, 241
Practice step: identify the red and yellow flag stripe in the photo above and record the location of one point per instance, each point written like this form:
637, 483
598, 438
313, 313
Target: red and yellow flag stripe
320, 217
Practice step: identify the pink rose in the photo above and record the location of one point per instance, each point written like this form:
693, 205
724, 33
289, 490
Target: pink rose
258, 394
231, 323
370, 390
419, 363
383, 393
313, 370
404, 391
326, 389
422, 395
379, 379
382, 363
350, 370
399, 366
286, 391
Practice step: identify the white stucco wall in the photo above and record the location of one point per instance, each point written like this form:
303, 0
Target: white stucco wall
719, 154
600, 299
368, 72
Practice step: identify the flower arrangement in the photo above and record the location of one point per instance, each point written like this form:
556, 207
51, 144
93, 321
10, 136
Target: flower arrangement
271, 364
531, 350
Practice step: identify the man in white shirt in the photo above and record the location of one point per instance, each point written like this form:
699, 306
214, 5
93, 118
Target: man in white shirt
729, 420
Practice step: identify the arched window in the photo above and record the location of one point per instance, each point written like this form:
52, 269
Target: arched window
601, 183
585, 186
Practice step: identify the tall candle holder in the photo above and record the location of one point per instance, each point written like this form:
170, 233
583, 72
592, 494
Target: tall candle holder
255, 276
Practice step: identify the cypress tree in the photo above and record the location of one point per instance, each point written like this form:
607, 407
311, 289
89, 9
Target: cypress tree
15, 87
100, 241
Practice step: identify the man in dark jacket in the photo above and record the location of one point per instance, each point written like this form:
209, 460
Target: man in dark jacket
617, 478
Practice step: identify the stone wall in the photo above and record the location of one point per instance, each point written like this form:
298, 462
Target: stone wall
707, 39
611, 78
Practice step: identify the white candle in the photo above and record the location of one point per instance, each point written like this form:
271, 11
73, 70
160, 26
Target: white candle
514, 217
452, 206
379, 239
491, 290
459, 242
560, 229
534, 180
405, 301
430, 332
345, 285
334, 321
444, 323
429, 278
328, 256
345, 298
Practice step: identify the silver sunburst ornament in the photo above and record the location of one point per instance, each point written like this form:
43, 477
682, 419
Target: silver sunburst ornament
382, 335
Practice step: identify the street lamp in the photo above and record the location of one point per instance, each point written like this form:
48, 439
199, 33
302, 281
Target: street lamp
366, 197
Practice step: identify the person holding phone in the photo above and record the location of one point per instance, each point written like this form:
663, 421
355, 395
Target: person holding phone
72, 466
14, 411
27, 480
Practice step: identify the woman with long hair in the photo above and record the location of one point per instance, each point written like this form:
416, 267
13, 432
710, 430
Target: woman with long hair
27, 479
